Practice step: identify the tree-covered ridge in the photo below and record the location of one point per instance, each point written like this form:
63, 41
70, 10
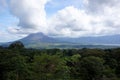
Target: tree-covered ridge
19, 63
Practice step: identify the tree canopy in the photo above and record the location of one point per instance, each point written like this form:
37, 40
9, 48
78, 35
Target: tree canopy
19, 63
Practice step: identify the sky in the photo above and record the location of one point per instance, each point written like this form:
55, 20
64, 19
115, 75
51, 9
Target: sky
58, 18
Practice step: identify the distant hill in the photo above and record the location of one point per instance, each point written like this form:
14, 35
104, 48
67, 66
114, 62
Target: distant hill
110, 40
40, 40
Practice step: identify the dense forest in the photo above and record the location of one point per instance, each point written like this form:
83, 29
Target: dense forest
19, 63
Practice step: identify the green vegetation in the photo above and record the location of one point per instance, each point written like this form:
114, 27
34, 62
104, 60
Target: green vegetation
19, 63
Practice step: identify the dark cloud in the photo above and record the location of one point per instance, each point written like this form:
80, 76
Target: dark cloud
95, 6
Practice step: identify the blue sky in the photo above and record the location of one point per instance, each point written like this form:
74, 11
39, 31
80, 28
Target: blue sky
58, 18
6, 18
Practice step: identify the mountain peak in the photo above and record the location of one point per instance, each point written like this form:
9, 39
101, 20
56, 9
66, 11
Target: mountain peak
39, 37
36, 36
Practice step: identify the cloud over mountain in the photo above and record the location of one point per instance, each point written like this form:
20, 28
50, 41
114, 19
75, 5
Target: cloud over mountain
96, 17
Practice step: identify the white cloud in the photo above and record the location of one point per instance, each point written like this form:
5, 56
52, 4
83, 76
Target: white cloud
73, 22
98, 17
31, 14
6, 37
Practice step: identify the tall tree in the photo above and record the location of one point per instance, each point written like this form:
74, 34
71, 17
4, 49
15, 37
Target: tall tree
16, 45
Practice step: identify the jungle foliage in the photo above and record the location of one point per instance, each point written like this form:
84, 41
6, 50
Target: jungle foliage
19, 63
